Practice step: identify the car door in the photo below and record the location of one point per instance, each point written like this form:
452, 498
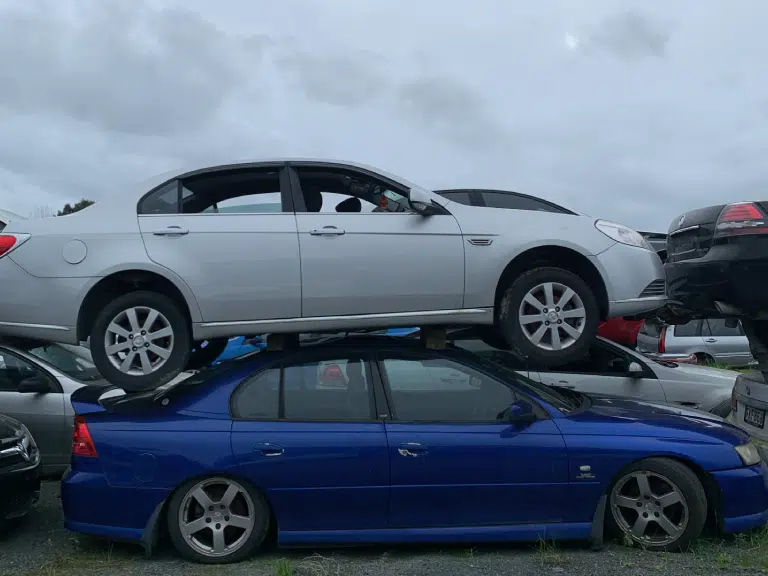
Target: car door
41, 413
685, 338
231, 236
455, 459
727, 345
605, 370
383, 261
316, 447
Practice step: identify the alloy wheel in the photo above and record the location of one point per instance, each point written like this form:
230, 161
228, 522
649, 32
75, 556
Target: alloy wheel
139, 340
649, 508
552, 316
216, 517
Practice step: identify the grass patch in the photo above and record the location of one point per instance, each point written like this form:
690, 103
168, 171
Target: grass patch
549, 554
86, 559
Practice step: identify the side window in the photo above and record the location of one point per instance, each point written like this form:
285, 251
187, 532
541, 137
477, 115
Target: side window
335, 389
164, 200
514, 202
242, 191
441, 390
692, 328
2, 225
460, 197
14, 369
716, 327
506, 358
329, 190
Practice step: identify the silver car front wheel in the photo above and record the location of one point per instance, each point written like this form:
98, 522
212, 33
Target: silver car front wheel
552, 316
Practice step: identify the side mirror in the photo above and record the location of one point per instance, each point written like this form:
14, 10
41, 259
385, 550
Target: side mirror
34, 385
635, 370
521, 414
421, 202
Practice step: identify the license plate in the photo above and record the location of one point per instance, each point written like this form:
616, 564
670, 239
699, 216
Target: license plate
754, 417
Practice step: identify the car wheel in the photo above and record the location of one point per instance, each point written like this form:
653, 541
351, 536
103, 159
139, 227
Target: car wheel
549, 315
217, 520
206, 351
659, 504
140, 341
723, 409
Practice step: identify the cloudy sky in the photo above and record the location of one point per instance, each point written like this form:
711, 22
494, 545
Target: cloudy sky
633, 110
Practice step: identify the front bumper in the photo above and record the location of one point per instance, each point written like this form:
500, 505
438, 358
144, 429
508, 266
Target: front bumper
743, 498
634, 280
727, 274
20, 490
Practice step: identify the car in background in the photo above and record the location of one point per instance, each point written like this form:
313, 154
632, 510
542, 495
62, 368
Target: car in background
132, 272
385, 457
621, 331
611, 369
749, 407
6, 217
711, 340
19, 472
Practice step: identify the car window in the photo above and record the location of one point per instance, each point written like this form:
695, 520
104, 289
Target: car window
14, 369
504, 357
516, 202
164, 200
652, 328
692, 328
602, 359
2, 226
717, 327
65, 361
333, 389
343, 190
244, 191
442, 390
460, 197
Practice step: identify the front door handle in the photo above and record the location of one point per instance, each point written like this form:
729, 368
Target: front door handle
327, 231
269, 449
411, 449
710, 340
170, 231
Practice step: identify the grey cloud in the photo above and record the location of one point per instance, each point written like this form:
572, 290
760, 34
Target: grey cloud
630, 35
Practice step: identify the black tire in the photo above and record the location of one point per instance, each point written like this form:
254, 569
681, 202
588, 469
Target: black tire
205, 351
704, 359
510, 328
175, 363
686, 482
723, 409
251, 545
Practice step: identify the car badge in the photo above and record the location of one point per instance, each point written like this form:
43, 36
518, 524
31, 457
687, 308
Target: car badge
680, 222
749, 391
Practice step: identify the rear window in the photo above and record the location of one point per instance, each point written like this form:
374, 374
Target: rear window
651, 328
692, 328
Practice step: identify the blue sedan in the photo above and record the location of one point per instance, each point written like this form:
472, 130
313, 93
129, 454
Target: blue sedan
374, 439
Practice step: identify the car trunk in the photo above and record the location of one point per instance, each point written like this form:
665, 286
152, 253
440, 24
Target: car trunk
690, 235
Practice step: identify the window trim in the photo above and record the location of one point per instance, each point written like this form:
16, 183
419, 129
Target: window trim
300, 206
382, 355
304, 358
286, 197
56, 387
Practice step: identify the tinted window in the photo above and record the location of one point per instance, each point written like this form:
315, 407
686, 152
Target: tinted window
692, 328
515, 202
601, 359
441, 390
2, 226
164, 200
232, 192
14, 369
460, 197
717, 327
336, 389
506, 358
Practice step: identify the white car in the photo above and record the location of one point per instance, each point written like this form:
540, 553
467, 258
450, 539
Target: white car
268, 247
750, 405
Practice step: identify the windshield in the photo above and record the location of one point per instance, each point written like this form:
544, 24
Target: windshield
65, 361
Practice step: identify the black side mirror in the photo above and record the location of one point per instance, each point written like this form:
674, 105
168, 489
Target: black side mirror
521, 414
34, 385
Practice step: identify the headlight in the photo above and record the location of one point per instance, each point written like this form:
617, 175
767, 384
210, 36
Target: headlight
622, 234
749, 454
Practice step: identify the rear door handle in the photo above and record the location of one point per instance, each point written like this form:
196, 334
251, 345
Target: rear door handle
711, 340
170, 231
268, 449
411, 449
327, 231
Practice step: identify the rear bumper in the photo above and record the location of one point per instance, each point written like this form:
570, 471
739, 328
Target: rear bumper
20, 491
744, 498
727, 274
629, 273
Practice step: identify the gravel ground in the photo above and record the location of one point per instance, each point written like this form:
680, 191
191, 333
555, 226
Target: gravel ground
42, 547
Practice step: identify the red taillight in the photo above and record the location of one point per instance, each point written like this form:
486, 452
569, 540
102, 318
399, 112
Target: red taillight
82, 444
741, 218
662, 339
7, 241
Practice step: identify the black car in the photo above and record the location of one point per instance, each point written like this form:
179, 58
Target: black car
717, 261
19, 471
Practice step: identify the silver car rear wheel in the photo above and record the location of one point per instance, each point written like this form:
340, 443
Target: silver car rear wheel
139, 340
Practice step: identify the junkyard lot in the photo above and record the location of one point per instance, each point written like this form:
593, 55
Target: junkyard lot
42, 547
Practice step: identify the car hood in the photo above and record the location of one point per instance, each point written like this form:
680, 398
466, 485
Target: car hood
619, 416
727, 376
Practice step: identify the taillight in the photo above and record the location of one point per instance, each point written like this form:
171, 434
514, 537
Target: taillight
10, 242
82, 443
663, 339
734, 402
741, 218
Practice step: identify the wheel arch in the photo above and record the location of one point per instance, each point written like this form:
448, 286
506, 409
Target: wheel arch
128, 278
560, 256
